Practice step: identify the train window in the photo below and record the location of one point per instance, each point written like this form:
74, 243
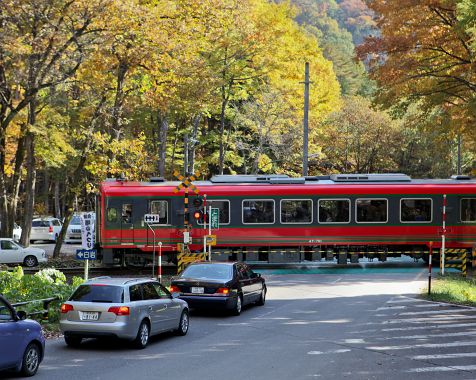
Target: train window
126, 213
334, 210
296, 211
256, 211
415, 210
160, 208
112, 214
224, 210
468, 210
371, 210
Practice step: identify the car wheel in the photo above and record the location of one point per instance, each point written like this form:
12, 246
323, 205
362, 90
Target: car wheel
262, 297
73, 341
239, 303
143, 334
31, 360
184, 323
30, 261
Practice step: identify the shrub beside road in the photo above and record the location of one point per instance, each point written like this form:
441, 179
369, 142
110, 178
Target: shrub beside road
453, 288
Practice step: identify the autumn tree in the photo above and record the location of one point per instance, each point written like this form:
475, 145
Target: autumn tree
42, 44
424, 54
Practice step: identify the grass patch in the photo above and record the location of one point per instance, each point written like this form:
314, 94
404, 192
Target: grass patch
454, 289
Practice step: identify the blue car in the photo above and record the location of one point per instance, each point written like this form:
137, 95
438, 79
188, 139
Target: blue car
22, 344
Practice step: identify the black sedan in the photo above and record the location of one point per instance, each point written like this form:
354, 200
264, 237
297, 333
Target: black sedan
228, 286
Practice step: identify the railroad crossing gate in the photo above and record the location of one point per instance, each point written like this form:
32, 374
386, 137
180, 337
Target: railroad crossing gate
185, 258
456, 258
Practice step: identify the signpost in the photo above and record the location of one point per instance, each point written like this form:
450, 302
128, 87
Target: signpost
186, 183
88, 252
214, 215
150, 220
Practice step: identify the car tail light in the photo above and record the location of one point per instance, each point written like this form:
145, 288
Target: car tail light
120, 310
51, 229
66, 307
224, 291
174, 289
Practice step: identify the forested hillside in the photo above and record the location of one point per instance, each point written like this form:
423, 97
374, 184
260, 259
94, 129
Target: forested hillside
91, 89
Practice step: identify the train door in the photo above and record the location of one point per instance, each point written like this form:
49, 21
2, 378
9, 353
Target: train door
127, 224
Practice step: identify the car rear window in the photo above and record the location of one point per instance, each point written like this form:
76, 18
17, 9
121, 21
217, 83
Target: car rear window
40, 223
209, 271
75, 220
98, 293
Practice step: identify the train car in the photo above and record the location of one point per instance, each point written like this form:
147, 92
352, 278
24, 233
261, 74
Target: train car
276, 218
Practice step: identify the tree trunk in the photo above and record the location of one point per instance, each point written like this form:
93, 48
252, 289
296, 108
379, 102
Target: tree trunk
163, 125
221, 160
30, 184
193, 144
57, 200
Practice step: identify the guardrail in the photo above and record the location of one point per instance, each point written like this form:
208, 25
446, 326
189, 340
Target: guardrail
43, 312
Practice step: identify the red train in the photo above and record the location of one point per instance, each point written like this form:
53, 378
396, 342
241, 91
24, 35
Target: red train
275, 218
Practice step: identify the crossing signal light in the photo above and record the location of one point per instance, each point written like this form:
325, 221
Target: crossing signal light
198, 202
198, 215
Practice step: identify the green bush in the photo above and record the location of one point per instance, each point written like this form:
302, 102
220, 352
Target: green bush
18, 287
454, 289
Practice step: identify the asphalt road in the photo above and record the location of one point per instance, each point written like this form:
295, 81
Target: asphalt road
345, 325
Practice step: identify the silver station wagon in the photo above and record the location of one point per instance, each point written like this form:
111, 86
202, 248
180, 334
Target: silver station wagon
126, 308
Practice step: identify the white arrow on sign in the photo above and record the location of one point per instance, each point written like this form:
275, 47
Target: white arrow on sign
152, 218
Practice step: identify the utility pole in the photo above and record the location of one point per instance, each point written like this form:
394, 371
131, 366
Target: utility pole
306, 121
185, 155
458, 169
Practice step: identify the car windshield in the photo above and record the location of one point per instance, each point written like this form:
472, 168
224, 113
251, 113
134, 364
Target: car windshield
98, 293
209, 271
76, 220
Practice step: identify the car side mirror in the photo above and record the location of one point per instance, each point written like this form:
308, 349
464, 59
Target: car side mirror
21, 315
255, 275
175, 294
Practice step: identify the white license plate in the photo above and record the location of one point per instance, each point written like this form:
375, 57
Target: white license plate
197, 290
89, 315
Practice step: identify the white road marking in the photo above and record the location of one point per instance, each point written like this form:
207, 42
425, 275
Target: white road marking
423, 345
403, 300
448, 326
429, 312
391, 308
328, 352
445, 356
447, 335
423, 320
444, 369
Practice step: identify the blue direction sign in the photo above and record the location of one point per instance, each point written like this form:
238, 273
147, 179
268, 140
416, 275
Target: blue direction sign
86, 254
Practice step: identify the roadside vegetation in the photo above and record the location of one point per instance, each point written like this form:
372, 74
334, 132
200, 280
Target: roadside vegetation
453, 289
15, 286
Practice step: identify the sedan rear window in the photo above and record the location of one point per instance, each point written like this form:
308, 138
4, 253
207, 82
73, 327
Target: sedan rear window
209, 271
98, 293
40, 223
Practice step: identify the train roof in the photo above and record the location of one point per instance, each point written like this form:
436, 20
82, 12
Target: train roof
339, 182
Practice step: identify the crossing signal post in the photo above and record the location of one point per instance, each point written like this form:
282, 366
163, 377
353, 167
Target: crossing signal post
150, 220
186, 184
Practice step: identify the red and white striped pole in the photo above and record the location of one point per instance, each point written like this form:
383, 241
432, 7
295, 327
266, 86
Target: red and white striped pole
443, 239
429, 267
160, 261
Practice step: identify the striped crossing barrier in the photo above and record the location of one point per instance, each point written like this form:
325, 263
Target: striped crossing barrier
185, 258
456, 258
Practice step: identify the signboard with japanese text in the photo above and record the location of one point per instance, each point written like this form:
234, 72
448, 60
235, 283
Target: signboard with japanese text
214, 215
86, 254
152, 218
88, 220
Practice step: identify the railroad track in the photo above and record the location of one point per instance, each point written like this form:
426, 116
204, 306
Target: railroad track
109, 271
